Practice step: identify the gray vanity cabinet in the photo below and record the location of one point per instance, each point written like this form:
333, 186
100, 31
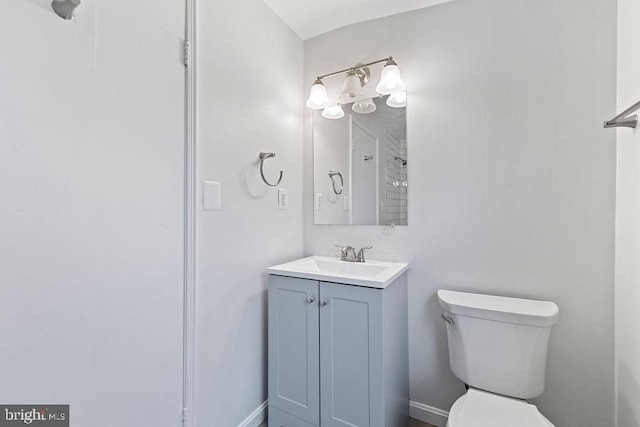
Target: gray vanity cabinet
337, 354
294, 339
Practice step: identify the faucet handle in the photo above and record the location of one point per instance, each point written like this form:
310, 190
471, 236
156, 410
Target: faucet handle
360, 256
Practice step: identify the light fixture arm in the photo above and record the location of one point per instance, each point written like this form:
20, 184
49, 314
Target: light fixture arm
355, 67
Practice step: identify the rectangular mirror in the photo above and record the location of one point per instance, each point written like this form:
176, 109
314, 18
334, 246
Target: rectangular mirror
360, 166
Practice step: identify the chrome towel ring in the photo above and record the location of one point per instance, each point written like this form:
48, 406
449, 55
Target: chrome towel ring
263, 157
333, 181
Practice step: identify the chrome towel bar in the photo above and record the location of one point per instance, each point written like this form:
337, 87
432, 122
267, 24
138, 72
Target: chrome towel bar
624, 119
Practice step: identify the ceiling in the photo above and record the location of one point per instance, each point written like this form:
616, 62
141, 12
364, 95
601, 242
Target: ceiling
309, 18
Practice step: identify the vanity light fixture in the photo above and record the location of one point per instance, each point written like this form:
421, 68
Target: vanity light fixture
333, 112
364, 106
397, 100
318, 98
390, 79
356, 78
353, 83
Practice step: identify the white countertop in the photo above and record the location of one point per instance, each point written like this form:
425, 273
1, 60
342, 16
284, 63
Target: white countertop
373, 274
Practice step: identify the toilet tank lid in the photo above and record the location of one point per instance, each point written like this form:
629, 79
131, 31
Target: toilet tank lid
499, 308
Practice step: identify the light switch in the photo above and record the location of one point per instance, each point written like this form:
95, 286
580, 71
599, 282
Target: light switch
283, 198
211, 197
318, 201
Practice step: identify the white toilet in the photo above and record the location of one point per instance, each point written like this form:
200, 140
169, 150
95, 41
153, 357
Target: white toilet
498, 348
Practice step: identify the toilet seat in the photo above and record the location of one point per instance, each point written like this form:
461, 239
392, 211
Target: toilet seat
482, 409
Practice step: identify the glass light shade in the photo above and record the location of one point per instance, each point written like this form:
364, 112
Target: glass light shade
333, 112
351, 88
390, 79
318, 98
364, 106
397, 100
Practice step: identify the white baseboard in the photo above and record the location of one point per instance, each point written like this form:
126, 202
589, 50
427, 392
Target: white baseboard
257, 417
428, 414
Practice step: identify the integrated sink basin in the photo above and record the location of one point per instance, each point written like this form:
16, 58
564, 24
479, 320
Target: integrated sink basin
373, 274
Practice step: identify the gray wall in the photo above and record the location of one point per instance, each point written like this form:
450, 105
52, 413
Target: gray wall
511, 178
627, 225
250, 92
91, 190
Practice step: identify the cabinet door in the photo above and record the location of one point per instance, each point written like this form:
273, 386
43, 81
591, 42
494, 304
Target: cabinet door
293, 347
351, 359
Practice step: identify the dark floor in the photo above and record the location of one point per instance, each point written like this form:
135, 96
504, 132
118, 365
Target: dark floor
416, 423
412, 423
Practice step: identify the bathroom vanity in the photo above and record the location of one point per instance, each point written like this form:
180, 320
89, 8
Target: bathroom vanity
338, 350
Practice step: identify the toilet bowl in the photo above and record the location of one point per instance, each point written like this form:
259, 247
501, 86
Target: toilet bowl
482, 409
498, 348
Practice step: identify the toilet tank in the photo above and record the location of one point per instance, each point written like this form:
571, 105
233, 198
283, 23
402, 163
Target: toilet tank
498, 344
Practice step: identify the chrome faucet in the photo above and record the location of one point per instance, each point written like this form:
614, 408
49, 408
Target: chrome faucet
348, 253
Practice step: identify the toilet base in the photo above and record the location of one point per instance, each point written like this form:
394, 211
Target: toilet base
479, 408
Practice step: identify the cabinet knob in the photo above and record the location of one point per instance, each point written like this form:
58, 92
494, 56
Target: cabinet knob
310, 299
324, 302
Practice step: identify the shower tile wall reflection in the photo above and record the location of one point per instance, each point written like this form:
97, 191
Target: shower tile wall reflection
396, 185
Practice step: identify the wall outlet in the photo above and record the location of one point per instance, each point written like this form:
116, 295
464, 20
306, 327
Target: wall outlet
283, 198
211, 196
